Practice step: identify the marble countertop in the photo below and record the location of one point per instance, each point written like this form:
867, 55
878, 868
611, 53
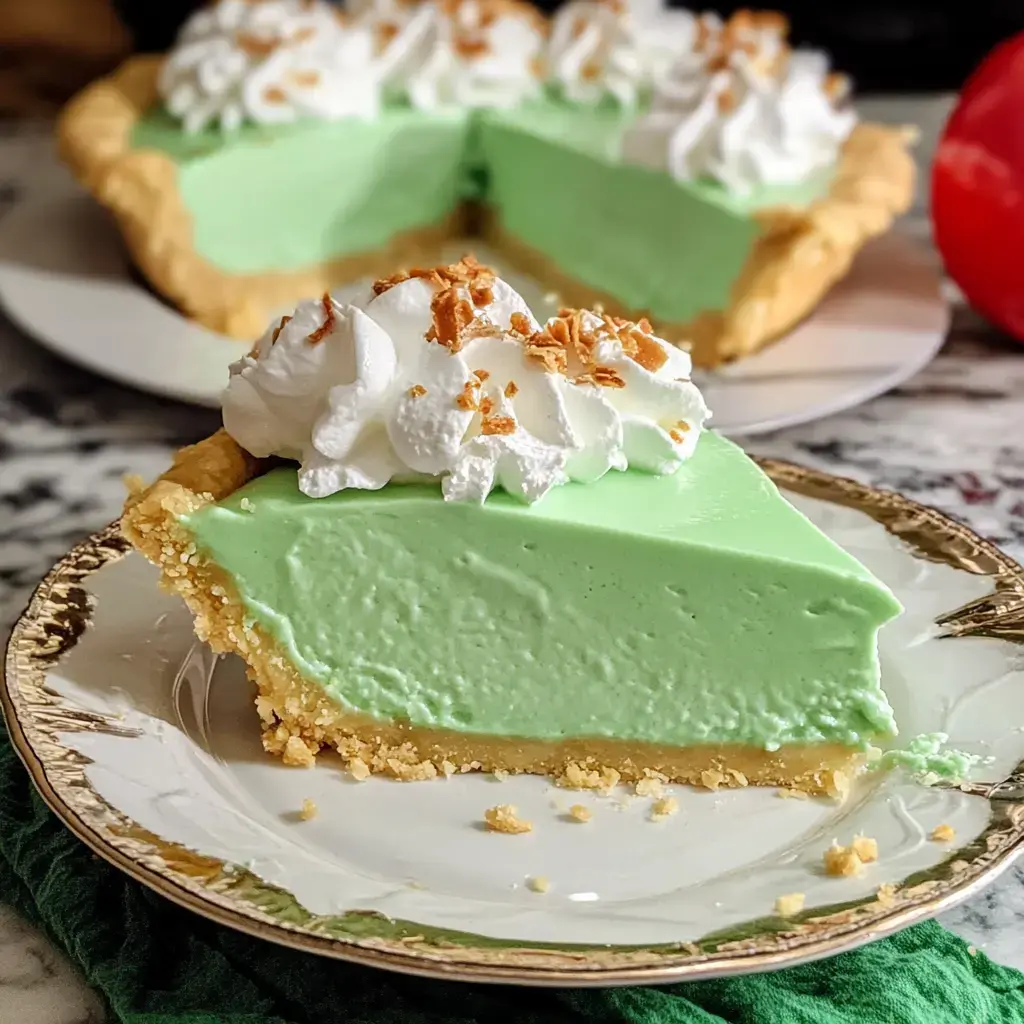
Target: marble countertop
952, 437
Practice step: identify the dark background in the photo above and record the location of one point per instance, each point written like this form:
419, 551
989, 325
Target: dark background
905, 46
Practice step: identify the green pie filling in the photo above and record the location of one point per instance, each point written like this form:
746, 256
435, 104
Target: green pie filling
696, 608
273, 199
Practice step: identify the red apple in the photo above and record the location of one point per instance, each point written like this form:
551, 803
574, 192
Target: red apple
978, 188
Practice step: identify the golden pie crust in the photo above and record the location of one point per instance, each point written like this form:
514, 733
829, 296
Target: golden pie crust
299, 719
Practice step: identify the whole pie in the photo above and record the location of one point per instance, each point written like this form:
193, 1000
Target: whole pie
656, 163
445, 537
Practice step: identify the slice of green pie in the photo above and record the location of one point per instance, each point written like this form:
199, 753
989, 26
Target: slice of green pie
692, 624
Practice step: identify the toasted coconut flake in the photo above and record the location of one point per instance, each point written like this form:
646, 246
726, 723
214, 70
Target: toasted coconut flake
467, 399
417, 391
466, 271
305, 79
451, 316
498, 425
385, 33
275, 94
328, 325
256, 46
277, 330
520, 324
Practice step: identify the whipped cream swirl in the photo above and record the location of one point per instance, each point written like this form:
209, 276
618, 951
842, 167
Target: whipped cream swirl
271, 62
747, 112
618, 48
470, 53
446, 374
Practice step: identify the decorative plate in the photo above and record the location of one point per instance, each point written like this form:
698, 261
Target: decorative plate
65, 280
147, 747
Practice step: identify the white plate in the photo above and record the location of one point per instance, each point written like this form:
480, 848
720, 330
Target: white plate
65, 280
151, 755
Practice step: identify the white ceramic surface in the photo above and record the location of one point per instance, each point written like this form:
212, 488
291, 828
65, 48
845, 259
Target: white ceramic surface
66, 281
187, 765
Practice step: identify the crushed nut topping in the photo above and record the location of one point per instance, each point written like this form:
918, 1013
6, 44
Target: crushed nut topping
482, 374
452, 315
466, 271
385, 32
511, 389
503, 818
943, 834
565, 335
735, 37
274, 94
309, 810
677, 432
417, 391
602, 376
498, 425
466, 399
520, 323
305, 79
328, 325
256, 46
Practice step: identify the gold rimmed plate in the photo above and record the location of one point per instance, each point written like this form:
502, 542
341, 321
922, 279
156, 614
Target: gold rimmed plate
147, 747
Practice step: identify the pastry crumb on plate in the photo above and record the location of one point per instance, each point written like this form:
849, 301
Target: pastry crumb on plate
504, 818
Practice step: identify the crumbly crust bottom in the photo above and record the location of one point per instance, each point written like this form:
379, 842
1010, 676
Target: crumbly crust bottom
299, 719
799, 255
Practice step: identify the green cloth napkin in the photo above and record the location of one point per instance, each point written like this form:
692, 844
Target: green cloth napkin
158, 964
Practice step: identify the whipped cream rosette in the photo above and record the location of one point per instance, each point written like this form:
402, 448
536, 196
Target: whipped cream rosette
618, 49
471, 53
445, 373
747, 112
270, 62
